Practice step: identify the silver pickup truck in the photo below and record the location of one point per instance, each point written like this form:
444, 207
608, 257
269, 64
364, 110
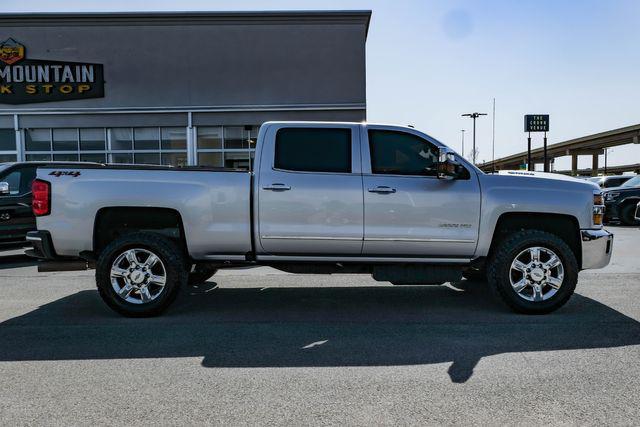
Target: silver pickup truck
388, 201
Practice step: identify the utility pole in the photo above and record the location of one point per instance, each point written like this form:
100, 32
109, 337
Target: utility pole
474, 116
462, 130
493, 137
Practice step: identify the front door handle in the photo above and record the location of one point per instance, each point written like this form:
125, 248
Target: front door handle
382, 189
277, 187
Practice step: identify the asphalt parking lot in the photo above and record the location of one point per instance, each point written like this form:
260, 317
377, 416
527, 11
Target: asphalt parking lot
262, 347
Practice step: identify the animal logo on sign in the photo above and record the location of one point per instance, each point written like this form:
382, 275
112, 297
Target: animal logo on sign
11, 51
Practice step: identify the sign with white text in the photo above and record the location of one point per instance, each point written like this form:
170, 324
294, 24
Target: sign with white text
24, 80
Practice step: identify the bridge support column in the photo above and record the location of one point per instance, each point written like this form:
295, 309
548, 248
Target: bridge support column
594, 165
574, 165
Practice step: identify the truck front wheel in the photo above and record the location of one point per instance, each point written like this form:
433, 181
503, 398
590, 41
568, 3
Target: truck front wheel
533, 271
139, 274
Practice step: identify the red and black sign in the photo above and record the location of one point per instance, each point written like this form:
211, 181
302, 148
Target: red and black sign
24, 81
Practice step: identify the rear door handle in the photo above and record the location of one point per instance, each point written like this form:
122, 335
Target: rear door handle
277, 187
382, 189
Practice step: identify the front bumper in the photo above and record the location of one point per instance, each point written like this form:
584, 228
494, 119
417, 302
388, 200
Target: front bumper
597, 246
610, 211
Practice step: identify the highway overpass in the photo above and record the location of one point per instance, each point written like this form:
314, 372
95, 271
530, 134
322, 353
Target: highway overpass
590, 145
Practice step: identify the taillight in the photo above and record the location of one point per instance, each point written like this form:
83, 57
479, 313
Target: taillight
41, 192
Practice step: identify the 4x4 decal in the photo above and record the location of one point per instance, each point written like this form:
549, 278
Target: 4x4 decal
58, 174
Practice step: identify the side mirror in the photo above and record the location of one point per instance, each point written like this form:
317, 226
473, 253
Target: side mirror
4, 188
448, 167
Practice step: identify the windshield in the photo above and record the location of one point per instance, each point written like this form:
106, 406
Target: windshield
594, 179
633, 182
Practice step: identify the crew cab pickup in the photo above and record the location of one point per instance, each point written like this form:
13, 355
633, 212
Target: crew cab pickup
323, 197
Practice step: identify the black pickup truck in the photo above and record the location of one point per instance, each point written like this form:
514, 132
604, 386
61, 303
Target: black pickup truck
620, 202
16, 217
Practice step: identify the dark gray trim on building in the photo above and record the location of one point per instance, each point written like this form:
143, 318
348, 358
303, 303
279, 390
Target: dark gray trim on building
207, 78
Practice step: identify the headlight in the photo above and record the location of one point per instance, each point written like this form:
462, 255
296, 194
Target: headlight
598, 209
611, 196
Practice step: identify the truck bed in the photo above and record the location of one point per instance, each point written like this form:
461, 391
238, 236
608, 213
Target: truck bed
213, 203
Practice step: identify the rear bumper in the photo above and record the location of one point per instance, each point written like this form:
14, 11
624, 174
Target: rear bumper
597, 246
42, 245
43, 250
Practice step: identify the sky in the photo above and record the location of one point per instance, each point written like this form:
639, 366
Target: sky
428, 62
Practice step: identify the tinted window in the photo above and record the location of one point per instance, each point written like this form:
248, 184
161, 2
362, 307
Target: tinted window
401, 153
13, 179
19, 180
313, 150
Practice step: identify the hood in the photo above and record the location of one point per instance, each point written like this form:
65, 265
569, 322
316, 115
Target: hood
548, 176
618, 189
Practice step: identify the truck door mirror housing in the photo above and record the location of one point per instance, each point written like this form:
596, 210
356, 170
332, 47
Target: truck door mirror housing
448, 167
4, 188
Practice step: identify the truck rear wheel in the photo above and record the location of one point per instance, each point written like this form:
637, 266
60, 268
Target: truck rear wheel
533, 271
139, 274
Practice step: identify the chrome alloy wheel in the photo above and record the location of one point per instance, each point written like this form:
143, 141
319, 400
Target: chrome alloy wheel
536, 274
138, 276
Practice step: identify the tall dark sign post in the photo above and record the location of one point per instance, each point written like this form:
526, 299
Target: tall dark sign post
536, 123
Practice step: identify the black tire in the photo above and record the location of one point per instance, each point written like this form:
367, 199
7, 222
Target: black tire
627, 213
499, 270
172, 263
200, 274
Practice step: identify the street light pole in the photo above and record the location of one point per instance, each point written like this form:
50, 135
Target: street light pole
474, 116
462, 130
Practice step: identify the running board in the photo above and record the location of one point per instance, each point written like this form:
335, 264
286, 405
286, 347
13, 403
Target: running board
70, 265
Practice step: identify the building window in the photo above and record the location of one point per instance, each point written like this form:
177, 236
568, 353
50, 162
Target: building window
37, 139
8, 145
7, 140
221, 146
65, 140
146, 139
66, 157
38, 157
210, 138
174, 138
121, 157
228, 146
92, 139
121, 139
210, 159
93, 157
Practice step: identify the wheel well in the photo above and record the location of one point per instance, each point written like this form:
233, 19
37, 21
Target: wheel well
564, 226
114, 222
629, 201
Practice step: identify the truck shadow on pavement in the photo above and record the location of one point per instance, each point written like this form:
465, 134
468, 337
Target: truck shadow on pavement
314, 327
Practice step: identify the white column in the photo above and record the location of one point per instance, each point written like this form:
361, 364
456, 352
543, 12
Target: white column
191, 141
19, 146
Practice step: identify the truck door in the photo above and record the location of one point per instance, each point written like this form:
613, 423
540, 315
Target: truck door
409, 211
310, 190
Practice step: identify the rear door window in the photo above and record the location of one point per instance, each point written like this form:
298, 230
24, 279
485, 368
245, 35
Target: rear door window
313, 150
